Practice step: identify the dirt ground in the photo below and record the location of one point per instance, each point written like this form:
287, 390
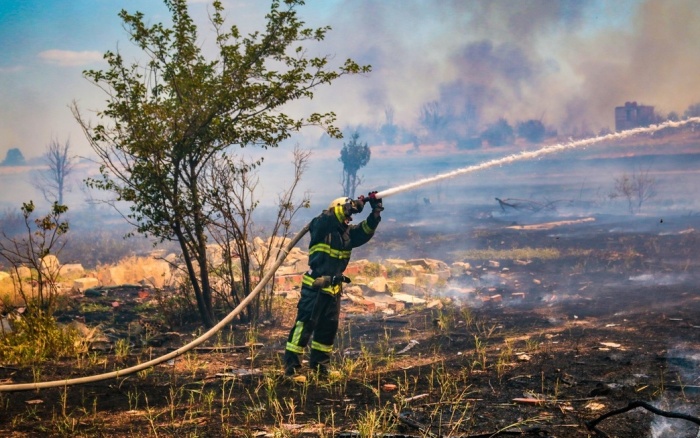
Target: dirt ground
531, 347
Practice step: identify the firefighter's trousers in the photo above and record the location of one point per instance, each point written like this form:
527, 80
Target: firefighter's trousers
317, 315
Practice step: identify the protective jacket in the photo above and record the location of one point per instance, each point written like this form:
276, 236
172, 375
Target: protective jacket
331, 244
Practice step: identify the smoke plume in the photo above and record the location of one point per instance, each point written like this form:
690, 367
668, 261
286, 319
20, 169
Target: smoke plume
567, 63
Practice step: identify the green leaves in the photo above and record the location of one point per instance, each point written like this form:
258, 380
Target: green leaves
170, 116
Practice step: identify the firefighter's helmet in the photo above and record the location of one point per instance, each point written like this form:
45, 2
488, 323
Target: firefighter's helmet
338, 201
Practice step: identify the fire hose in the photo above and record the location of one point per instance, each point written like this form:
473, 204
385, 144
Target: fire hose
173, 354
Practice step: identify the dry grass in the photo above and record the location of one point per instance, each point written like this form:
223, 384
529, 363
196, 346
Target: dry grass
526, 253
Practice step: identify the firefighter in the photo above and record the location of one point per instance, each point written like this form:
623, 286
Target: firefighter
332, 239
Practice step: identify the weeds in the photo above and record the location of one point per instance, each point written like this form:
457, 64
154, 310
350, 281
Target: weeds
35, 338
532, 345
480, 352
122, 349
133, 399
376, 421
505, 358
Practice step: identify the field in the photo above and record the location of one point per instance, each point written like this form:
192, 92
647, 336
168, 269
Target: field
554, 326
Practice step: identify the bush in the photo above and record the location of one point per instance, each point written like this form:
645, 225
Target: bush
35, 338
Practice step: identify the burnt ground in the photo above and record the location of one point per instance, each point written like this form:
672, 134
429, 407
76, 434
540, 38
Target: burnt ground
613, 319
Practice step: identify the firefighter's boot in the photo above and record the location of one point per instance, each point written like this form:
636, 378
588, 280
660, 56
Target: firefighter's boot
292, 363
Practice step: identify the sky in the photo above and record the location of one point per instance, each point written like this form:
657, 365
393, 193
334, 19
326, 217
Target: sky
567, 62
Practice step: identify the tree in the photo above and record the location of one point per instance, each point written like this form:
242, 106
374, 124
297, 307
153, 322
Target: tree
389, 131
354, 156
636, 189
14, 157
434, 119
531, 130
169, 119
692, 110
244, 260
42, 238
498, 133
53, 182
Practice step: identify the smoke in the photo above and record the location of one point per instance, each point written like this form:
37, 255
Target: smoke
529, 155
568, 63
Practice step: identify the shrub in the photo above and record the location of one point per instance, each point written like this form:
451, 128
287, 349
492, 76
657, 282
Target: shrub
37, 337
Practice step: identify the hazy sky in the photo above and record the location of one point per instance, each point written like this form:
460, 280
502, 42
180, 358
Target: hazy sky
567, 62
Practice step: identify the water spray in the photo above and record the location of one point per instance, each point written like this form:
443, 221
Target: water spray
284, 251
528, 155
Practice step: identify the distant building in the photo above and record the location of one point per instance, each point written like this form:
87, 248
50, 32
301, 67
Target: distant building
633, 116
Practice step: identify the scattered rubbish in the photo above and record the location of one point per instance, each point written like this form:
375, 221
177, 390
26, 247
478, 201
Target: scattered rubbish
34, 402
239, 372
595, 406
406, 298
528, 400
611, 344
389, 387
416, 397
412, 343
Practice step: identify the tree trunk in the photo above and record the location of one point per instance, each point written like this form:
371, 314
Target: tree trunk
204, 311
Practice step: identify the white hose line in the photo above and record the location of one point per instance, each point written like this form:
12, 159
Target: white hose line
528, 155
136, 368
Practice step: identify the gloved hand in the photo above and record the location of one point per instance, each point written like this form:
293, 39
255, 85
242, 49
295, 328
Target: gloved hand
354, 206
375, 203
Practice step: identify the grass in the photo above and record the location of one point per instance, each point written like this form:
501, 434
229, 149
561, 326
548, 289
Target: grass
233, 405
432, 382
193, 405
